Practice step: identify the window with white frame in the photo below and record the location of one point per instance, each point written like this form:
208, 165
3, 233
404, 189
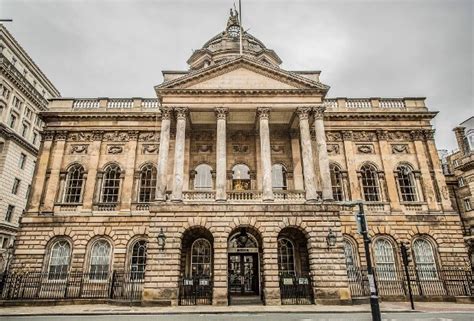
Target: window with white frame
406, 183
286, 257
385, 259
370, 183
424, 259
203, 177
201, 258
74, 184
59, 259
111, 184
336, 182
138, 260
461, 181
467, 204
100, 260
279, 177
147, 184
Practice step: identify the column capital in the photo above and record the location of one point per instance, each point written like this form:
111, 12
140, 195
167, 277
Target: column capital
61, 135
181, 112
318, 112
303, 112
263, 112
382, 134
221, 112
347, 135
166, 112
417, 134
429, 134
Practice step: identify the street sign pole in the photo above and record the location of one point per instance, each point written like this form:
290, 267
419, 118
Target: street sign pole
406, 260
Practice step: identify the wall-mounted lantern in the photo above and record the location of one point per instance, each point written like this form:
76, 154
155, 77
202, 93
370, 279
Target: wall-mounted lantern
331, 238
161, 239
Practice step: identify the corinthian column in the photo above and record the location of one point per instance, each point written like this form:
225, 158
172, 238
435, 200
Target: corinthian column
162, 166
307, 154
263, 114
322, 152
179, 146
221, 157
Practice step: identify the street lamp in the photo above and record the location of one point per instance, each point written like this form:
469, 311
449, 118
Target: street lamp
362, 229
9, 256
161, 239
331, 238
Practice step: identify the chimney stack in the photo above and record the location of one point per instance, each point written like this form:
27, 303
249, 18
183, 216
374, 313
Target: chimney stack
461, 139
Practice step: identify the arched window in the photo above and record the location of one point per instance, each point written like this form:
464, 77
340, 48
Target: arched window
100, 260
74, 184
336, 182
385, 259
138, 260
350, 252
406, 183
240, 177
203, 178
286, 257
201, 258
59, 259
370, 183
111, 184
147, 184
279, 177
424, 259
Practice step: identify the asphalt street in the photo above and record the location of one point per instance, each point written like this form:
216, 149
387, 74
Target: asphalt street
254, 316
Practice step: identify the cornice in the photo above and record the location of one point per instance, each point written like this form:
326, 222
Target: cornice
8, 133
100, 115
293, 92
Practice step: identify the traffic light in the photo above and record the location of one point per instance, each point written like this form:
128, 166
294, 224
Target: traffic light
405, 254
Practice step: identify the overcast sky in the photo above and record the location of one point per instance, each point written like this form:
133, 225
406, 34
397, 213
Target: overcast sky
372, 48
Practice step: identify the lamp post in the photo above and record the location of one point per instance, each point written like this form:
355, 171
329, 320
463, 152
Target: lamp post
362, 229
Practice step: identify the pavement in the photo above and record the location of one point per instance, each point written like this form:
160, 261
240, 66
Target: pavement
107, 309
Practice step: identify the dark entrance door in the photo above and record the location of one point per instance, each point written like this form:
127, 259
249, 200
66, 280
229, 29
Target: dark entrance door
243, 274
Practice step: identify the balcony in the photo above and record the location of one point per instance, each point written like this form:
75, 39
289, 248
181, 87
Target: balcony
280, 196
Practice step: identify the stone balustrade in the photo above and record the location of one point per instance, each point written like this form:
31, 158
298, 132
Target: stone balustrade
104, 104
334, 104
289, 196
120, 103
85, 103
199, 195
249, 195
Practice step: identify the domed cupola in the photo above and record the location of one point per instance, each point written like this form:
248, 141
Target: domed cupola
226, 46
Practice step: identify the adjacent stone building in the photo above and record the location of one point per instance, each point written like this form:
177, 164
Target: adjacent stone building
24, 92
235, 175
459, 171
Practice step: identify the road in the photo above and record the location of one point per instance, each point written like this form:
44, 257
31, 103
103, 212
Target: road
464, 316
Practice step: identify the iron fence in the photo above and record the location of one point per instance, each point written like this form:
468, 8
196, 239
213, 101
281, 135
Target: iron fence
70, 285
195, 291
296, 289
424, 282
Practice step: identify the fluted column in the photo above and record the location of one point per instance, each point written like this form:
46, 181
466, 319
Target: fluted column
179, 146
221, 155
307, 154
263, 114
322, 152
162, 166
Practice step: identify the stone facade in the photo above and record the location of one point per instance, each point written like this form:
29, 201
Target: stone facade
24, 91
277, 159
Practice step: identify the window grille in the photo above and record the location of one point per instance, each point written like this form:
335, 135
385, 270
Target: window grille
385, 259
111, 184
349, 251
203, 178
336, 182
424, 260
201, 258
279, 177
370, 183
100, 260
286, 257
406, 183
74, 184
138, 260
147, 184
59, 260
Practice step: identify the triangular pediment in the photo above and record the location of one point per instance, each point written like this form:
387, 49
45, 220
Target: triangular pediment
242, 74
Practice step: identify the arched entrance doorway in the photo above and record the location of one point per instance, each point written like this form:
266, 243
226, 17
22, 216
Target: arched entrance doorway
195, 286
244, 269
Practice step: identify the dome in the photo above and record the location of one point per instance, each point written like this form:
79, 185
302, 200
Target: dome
226, 45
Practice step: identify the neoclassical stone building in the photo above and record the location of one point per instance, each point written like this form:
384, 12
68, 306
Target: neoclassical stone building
233, 177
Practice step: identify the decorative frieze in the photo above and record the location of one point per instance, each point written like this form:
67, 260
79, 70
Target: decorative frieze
364, 136
333, 136
333, 149
149, 149
149, 137
114, 149
366, 149
399, 136
400, 149
116, 136
79, 149
240, 149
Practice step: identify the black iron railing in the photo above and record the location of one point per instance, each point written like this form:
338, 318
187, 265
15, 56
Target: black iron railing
70, 285
296, 289
195, 291
424, 282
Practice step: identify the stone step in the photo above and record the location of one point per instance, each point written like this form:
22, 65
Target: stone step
246, 300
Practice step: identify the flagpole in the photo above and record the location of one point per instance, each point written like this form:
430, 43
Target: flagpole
240, 23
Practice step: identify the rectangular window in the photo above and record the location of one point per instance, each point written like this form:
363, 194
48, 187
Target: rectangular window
10, 211
35, 138
5, 242
24, 130
28, 191
467, 204
16, 186
12, 122
461, 181
16, 102
22, 161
